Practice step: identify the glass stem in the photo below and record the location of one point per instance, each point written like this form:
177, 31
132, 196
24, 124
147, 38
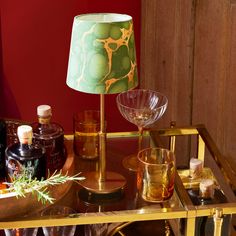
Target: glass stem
140, 138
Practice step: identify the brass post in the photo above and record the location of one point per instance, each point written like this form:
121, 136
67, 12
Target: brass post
218, 220
172, 138
102, 142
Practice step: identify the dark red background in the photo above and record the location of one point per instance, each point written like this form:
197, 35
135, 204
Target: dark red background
35, 41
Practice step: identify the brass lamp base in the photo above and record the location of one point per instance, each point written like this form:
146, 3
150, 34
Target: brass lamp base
112, 183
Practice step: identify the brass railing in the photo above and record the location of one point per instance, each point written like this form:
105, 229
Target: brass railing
186, 210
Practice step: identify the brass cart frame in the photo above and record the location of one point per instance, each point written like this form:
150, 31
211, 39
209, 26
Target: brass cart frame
225, 165
186, 210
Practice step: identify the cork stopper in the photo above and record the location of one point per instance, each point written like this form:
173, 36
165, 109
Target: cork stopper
206, 188
25, 134
196, 168
44, 111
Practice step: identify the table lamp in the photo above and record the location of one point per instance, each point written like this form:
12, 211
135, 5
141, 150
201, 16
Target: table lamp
102, 60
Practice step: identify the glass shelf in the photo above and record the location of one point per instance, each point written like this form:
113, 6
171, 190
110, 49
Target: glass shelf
125, 205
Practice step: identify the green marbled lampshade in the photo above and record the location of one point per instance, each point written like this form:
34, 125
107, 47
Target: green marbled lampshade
102, 54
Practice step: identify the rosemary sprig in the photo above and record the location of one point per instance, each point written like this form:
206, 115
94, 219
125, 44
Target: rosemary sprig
24, 184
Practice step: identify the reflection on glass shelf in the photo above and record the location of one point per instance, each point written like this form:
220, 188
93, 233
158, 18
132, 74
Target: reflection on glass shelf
189, 182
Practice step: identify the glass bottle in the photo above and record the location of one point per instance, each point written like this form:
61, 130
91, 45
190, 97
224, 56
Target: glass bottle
51, 136
24, 156
3, 140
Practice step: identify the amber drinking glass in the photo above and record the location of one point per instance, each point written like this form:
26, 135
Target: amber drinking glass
86, 129
141, 107
156, 174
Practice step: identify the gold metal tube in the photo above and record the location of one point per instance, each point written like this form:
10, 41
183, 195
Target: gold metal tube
102, 142
172, 137
201, 148
218, 220
190, 226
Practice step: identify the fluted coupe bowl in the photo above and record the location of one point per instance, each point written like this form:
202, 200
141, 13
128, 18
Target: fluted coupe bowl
142, 107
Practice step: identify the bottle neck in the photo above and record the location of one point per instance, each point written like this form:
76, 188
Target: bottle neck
25, 147
44, 120
25, 141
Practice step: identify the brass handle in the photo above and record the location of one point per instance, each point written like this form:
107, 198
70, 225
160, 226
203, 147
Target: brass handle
218, 220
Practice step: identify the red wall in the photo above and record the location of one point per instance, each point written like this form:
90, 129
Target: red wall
35, 41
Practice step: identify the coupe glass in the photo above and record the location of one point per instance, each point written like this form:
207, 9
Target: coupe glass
141, 107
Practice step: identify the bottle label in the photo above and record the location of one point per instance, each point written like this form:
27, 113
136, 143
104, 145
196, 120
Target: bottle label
16, 168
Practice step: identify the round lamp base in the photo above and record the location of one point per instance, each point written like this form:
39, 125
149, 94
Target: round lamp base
112, 183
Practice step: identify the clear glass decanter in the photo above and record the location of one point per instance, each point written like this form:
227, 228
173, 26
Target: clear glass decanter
51, 136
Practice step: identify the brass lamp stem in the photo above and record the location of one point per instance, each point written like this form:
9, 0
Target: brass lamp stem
102, 181
102, 142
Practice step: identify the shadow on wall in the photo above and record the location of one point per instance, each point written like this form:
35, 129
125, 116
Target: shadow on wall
8, 106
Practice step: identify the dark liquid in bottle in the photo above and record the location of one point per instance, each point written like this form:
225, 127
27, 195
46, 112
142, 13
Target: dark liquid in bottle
26, 158
51, 137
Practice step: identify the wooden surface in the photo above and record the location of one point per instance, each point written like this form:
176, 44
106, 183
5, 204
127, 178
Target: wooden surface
188, 52
166, 58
